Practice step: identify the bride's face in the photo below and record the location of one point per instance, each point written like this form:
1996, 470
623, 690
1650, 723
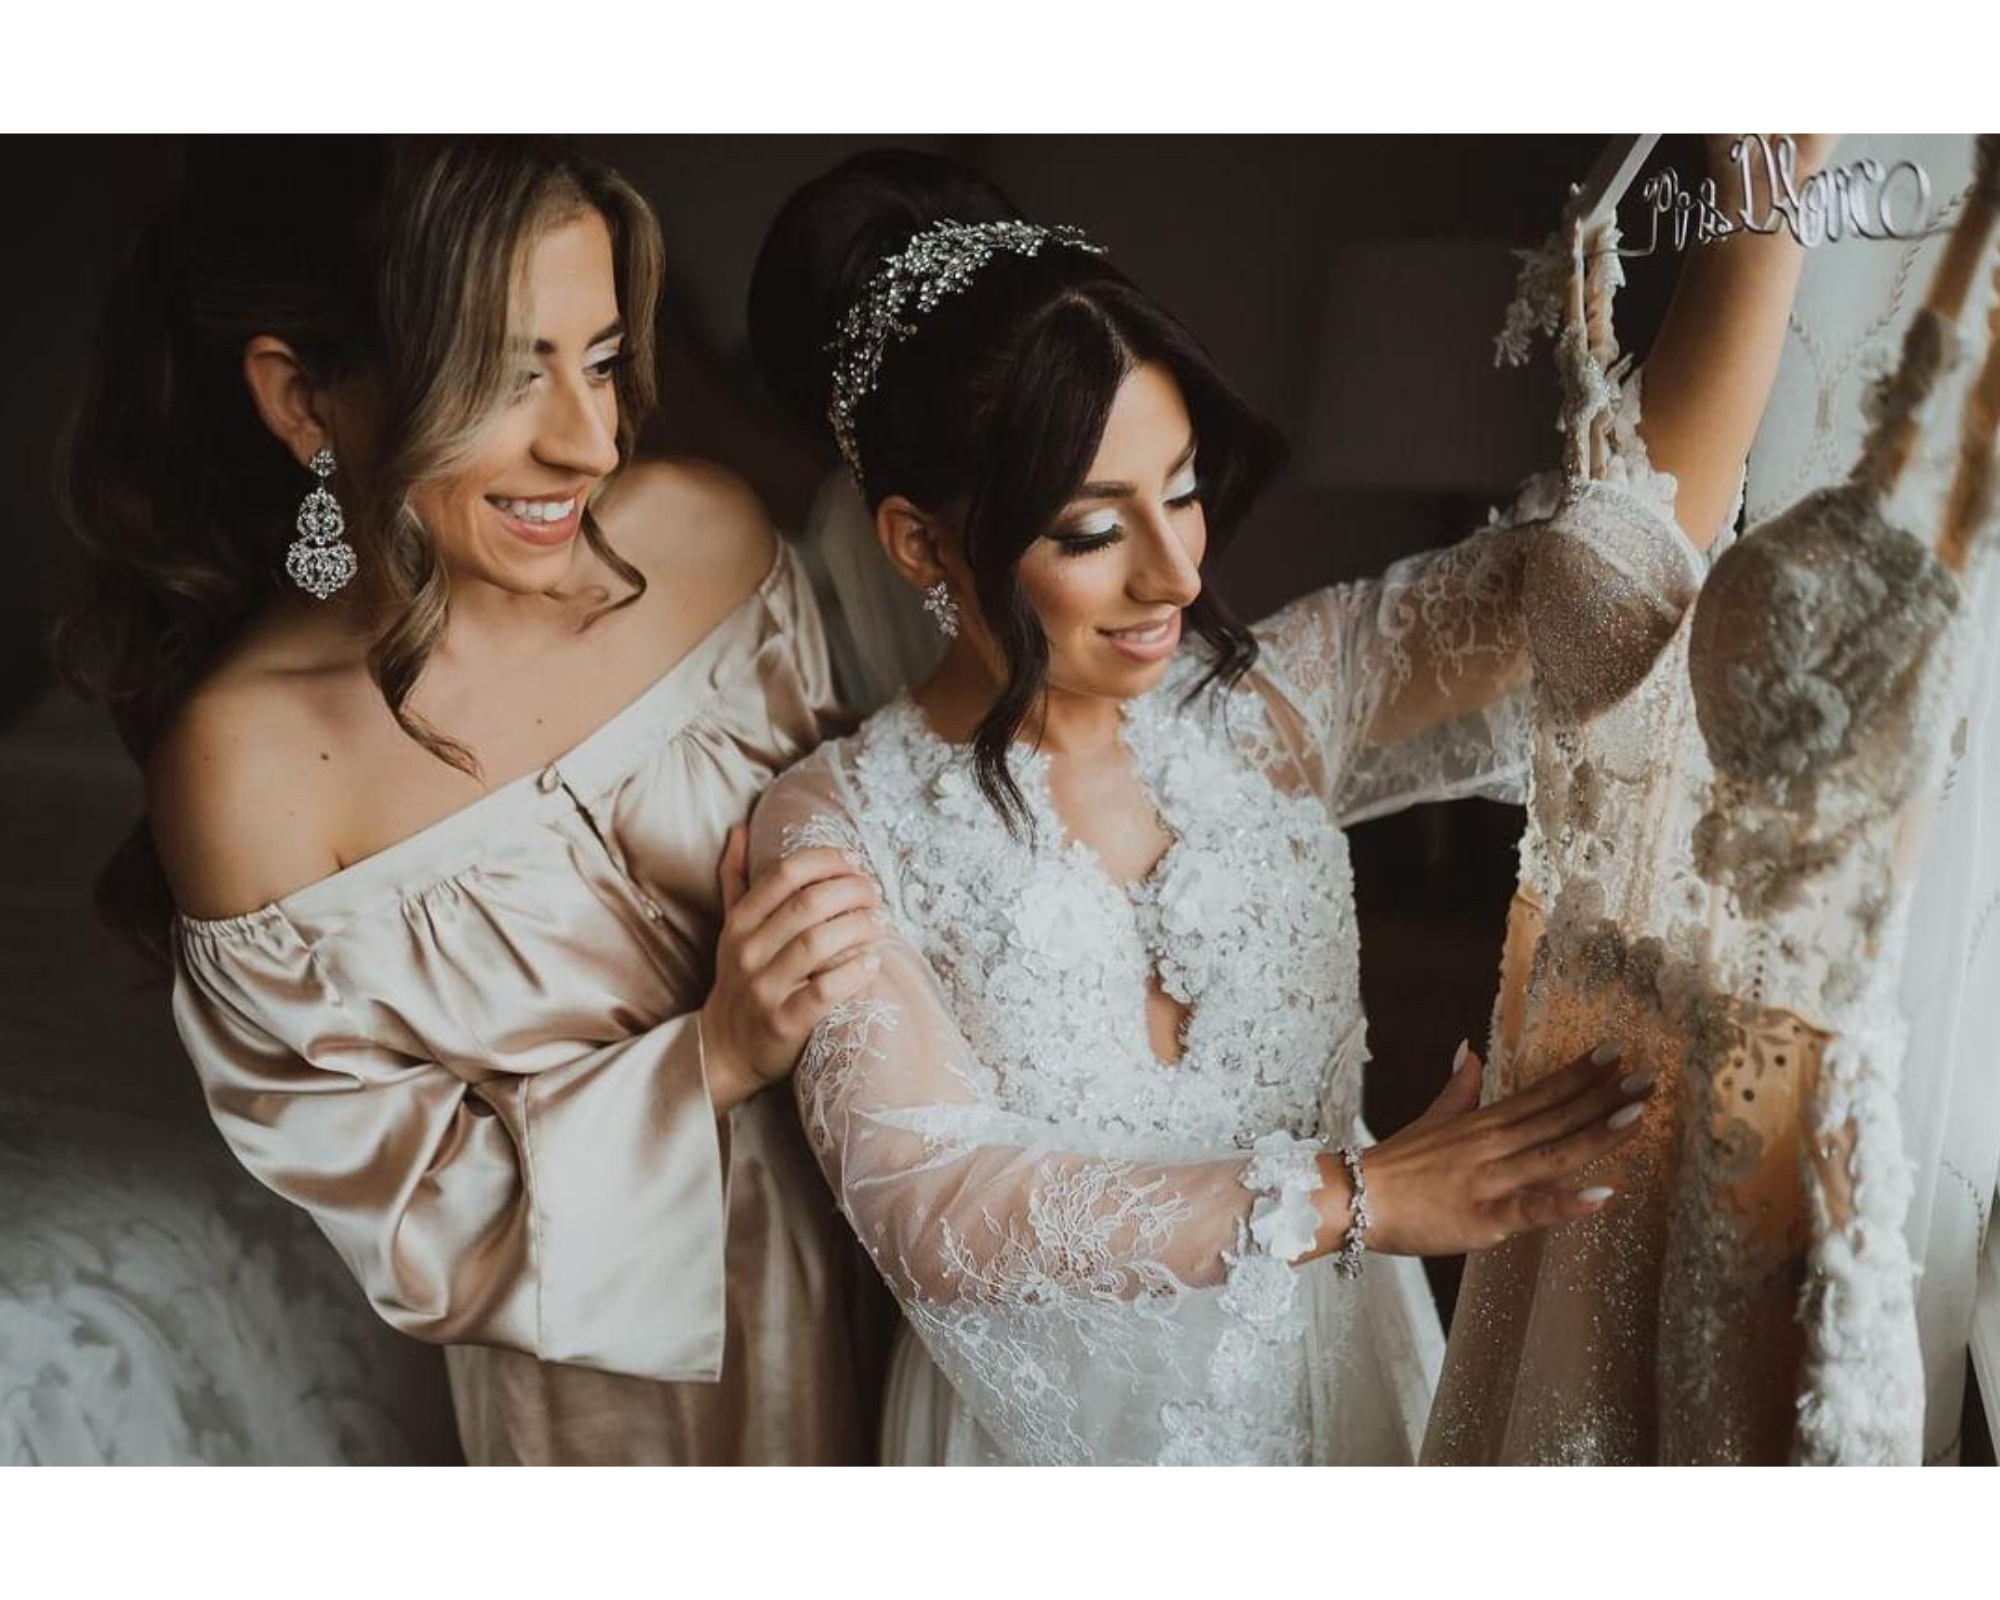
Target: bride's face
1110, 578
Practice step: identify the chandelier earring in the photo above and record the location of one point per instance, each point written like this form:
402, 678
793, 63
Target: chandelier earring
943, 609
321, 561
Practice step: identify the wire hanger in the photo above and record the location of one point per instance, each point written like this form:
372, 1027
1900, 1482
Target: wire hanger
1862, 199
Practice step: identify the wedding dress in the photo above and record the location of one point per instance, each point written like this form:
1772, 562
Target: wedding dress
1096, 1248
1851, 304
1735, 905
1553, 1337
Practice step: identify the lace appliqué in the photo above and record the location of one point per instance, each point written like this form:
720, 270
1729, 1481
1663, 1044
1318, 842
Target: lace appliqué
1247, 920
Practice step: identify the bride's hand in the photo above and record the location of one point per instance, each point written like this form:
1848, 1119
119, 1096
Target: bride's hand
793, 946
1464, 1178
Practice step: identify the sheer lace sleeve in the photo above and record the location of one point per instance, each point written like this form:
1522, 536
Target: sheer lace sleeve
1411, 686
1031, 1256
575, 1212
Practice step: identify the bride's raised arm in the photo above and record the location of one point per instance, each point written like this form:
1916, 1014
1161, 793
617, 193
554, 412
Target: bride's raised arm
1710, 370
1403, 688
1405, 684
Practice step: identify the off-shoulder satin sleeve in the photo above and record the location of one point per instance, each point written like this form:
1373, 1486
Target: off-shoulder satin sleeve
575, 1212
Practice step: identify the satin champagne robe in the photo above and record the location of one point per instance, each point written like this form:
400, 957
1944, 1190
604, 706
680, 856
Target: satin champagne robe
474, 1058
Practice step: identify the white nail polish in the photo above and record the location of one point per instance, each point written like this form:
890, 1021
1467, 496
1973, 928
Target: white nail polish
1460, 1055
1605, 1054
1596, 1195
1638, 1083
1625, 1116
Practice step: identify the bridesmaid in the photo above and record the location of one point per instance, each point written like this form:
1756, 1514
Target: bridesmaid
446, 711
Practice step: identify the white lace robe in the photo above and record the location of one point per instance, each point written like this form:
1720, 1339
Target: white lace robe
1096, 1247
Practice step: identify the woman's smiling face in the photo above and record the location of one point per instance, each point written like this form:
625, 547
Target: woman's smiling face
510, 514
1110, 578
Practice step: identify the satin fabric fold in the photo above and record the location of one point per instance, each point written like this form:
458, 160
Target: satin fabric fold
474, 1059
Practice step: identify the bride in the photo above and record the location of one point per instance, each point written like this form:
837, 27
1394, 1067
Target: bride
1096, 1116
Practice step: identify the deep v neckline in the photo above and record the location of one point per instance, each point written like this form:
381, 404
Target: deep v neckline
1030, 767
1139, 896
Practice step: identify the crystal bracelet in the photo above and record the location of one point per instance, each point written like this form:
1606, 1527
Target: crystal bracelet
1348, 1262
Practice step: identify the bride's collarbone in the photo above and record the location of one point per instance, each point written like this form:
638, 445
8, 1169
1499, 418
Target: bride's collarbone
1104, 804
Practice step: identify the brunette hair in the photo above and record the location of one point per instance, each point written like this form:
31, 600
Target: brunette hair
992, 412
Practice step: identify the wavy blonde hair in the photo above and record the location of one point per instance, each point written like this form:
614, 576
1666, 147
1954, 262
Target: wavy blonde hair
389, 261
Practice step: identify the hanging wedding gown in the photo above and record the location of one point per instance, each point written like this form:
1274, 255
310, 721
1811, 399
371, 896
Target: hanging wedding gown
1851, 304
1742, 929
1095, 1248
1553, 1337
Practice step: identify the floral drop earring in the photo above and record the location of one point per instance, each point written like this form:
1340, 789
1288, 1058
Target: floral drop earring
320, 561
943, 609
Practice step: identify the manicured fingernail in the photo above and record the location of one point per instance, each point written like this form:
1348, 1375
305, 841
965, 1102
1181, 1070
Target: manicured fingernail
1606, 1053
1638, 1083
1461, 1055
1595, 1196
1625, 1116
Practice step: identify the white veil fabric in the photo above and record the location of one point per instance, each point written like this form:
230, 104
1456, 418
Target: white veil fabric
1853, 302
878, 634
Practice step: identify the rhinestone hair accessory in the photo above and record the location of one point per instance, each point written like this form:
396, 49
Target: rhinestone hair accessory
940, 261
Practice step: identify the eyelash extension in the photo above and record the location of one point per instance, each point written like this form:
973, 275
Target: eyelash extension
1075, 544
1083, 544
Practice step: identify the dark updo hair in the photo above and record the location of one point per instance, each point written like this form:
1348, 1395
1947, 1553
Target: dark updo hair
994, 409
385, 260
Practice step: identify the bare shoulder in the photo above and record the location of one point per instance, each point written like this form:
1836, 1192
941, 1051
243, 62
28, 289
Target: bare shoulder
238, 807
691, 526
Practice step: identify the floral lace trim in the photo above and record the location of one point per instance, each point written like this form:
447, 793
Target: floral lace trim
1248, 1409
1284, 1175
1862, 1388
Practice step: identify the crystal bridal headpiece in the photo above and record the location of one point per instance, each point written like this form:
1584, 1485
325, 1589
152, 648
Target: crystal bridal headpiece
939, 261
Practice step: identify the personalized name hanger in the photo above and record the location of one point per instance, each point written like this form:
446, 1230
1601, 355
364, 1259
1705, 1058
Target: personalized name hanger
1862, 199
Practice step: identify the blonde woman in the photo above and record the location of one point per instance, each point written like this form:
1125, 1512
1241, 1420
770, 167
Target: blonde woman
448, 713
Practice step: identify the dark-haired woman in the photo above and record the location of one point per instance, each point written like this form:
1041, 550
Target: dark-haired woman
447, 711
1096, 1118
